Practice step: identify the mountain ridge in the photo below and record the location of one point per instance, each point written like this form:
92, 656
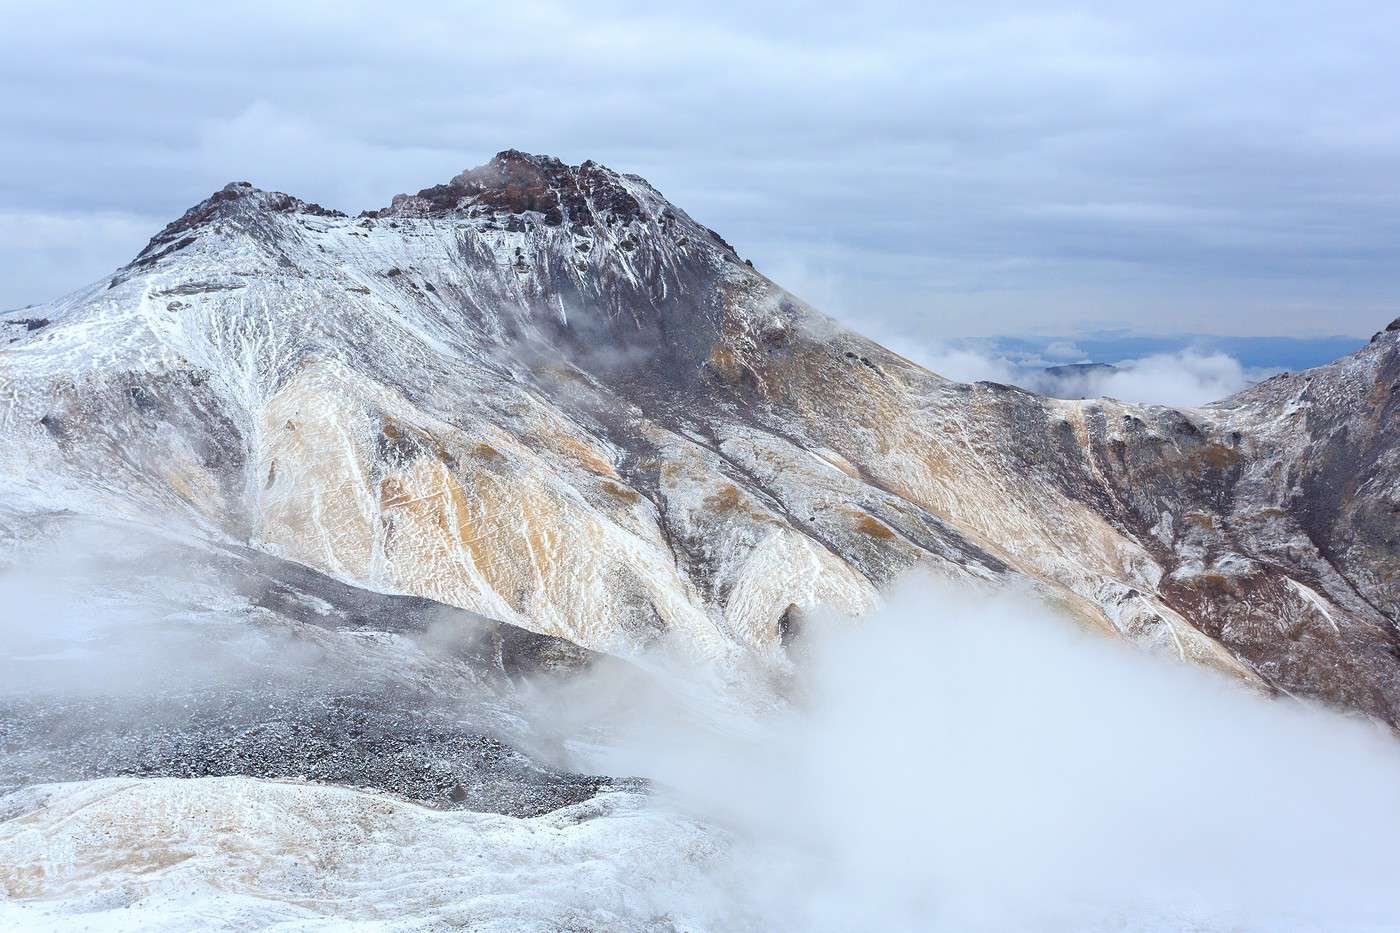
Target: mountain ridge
543, 393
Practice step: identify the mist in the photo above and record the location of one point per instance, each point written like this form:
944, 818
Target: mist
123, 611
959, 762
1183, 378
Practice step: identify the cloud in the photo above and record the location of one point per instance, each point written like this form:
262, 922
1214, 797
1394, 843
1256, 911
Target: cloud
970, 366
48, 254
1063, 350
1178, 378
974, 762
118, 611
1185, 378
960, 759
976, 171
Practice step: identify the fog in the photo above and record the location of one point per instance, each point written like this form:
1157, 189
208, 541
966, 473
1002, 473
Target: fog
1189, 375
959, 762
122, 611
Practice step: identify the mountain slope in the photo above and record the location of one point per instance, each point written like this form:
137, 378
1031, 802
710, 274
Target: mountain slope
542, 393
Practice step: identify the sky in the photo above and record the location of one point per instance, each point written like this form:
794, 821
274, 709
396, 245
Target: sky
926, 174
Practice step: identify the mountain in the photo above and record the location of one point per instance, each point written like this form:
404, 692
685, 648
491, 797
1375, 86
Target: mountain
543, 394
385, 531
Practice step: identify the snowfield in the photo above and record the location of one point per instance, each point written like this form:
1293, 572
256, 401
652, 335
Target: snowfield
243, 854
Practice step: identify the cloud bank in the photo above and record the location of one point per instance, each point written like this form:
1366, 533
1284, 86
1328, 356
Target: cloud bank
990, 170
1181, 378
1178, 379
959, 762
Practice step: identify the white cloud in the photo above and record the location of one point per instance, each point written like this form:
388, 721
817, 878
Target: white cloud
980, 171
1182, 378
958, 760
971, 762
1179, 379
1063, 350
969, 366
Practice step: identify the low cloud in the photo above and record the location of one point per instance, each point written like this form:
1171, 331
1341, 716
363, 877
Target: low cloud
1181, 379
963, 762
958, 760
92, 609
971, 366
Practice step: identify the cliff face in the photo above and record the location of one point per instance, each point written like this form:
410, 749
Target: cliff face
544, 394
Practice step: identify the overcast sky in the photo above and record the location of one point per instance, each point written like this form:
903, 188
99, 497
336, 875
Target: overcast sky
1030, 167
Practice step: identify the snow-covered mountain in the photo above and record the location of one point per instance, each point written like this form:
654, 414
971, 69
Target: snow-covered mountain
544, 394
543, 403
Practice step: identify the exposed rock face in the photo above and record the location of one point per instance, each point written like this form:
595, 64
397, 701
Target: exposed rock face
542, 393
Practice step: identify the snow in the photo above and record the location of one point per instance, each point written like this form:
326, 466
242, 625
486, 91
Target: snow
240, 853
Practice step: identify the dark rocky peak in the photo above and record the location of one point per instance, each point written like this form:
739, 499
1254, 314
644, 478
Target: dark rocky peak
514, 191
1390, 328
513, 169
517, 183
237, 202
